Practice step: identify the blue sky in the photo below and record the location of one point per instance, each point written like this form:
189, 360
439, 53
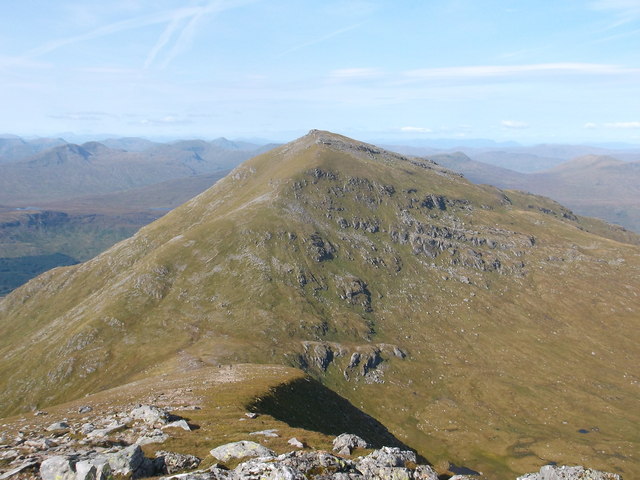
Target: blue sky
532, 71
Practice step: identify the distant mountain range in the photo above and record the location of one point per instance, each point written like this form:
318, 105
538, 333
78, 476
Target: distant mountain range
523, 159
14, 148
71, 170
594, 185
62, 202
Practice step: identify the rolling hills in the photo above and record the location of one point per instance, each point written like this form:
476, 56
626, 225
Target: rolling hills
60, 200
595, 185
92, 168
492, 328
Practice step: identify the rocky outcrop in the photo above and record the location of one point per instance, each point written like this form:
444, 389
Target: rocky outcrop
171, 462
345, 443
557, 472
360, 363
383, 464
150, 414
68, 458
129, 462
242, 449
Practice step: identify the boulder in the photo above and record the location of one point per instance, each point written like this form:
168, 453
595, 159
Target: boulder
150, 414
388, 473
241, 449
265, 470
388, 463
129, 462
389, 457
57, 468
172, 462
346, 442
312, 462
58, 427
558, 472
213, 473
155, 436
425, 472
267, 433
86, 470
87, 428
178, 424
294, 442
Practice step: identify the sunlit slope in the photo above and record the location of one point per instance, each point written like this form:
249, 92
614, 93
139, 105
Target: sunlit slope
482, 326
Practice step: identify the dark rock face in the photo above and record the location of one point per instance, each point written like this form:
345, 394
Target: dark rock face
319, 249
366, 363
354, 291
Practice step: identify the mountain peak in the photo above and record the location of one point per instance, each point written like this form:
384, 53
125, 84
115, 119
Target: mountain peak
390, 278
68, 153
588, 162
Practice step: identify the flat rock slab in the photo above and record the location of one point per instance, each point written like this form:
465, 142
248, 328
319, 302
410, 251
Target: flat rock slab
241, 449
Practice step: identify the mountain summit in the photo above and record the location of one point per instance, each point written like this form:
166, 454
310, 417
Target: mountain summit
486, 326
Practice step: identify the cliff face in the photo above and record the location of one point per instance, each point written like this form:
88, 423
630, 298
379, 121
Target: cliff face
469, 320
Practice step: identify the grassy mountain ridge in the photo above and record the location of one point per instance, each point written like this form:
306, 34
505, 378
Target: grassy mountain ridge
481, 326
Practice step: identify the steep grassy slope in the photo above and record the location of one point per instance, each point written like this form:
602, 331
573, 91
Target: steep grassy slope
480, 326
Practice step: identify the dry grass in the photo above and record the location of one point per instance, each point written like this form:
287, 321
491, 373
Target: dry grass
505, 364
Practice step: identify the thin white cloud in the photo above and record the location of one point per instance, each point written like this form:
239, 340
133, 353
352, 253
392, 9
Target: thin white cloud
185, 20
622, 125
167, 120
164, 39
590, 125
188, 33
514, 70
625, 10
20, 62
324, 38
514, 124
106, 30
416, 129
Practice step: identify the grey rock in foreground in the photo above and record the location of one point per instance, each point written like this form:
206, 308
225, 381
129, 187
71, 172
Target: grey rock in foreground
150, 414
241, 449
57, 468
557, 472
346, 442
64, 458
171, 462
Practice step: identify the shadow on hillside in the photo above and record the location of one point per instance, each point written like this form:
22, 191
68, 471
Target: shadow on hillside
306, 403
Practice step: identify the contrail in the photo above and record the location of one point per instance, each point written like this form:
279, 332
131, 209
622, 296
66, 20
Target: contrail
319, 40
